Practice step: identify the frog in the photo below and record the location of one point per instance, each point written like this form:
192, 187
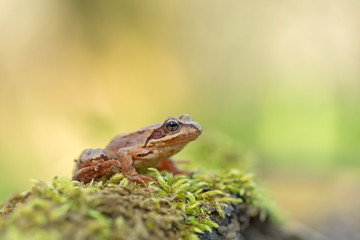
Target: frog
133, 153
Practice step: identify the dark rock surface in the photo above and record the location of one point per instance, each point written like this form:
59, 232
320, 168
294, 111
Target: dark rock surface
238, 225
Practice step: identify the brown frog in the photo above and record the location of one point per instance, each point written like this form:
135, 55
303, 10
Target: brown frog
136, 151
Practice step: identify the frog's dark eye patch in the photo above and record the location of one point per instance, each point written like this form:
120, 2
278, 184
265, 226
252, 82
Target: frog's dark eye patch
172, 125
158, 133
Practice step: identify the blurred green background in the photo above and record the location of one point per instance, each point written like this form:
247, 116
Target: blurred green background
279, 80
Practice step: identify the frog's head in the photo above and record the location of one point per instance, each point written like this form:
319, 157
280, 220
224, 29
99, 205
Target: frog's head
174, 131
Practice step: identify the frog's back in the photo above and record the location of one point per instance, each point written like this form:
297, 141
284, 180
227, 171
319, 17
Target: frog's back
134, 139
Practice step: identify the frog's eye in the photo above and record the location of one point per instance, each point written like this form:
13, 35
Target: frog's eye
172, 125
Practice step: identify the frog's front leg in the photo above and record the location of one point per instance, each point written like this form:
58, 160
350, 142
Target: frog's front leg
126, 157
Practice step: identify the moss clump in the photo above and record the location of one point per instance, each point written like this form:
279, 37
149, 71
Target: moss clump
179, 208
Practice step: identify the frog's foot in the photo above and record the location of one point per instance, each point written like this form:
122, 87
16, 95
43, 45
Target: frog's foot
141, 179
107, 165
170, 166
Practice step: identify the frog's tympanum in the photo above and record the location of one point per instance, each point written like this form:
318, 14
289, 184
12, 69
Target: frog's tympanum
136, 151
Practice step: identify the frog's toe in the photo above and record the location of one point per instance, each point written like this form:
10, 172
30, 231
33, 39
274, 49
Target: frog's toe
149, 179
141, 179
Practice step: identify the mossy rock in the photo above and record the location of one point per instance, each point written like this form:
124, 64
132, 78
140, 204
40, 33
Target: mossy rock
199, 206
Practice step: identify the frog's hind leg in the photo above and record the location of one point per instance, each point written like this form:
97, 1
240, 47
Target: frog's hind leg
94, 164
107, 165
170, 166
85, 174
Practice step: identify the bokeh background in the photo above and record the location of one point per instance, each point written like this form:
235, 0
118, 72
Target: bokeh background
274, 83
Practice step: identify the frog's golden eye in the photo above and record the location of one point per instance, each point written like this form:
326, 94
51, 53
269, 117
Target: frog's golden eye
172, 125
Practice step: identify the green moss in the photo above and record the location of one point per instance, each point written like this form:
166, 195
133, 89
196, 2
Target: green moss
179, 208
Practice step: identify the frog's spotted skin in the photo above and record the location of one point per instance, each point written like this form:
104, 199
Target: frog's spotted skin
136, 151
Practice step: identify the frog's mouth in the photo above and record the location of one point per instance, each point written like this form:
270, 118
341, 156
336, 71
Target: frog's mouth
181, 139
175, 140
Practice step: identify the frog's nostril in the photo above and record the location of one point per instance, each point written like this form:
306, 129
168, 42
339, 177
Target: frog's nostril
197, 126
